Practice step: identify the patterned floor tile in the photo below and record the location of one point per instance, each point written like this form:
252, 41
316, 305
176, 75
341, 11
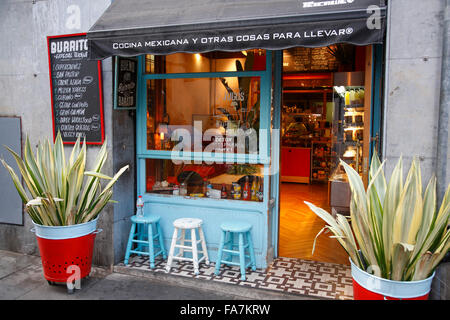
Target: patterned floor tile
317, 279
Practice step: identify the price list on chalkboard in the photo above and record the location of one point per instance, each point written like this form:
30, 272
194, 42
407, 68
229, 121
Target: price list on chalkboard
76, 90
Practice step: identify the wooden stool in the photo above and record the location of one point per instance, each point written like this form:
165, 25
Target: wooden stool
243, 231
145, 238
184, 224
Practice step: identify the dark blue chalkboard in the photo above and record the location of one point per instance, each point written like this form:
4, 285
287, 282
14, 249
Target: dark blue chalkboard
76, 90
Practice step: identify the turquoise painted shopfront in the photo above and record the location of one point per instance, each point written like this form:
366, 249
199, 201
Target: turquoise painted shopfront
212, 211
213, 93
162, 165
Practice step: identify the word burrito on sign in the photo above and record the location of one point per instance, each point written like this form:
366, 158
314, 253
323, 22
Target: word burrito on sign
68, 46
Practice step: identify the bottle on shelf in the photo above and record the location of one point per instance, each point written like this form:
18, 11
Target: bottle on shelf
261, 191
223, 193
208, 189
236, 191
205, 188
347, 98
254, 191
140, 207
183, 189
352, 97
176, 190
246, 193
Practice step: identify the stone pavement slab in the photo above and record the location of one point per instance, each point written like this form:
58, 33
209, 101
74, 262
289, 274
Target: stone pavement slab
21, 278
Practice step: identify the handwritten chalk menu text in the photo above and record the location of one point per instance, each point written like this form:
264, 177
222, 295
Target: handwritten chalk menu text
126, 82
76, 90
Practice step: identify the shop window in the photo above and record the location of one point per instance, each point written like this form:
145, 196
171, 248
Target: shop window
217, 61
218, 181
219, 114
203, 122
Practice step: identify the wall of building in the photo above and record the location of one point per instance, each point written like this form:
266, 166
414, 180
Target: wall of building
24, 88
413, 82
124, 152
413, 86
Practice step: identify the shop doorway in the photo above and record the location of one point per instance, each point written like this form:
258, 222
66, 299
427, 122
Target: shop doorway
325, 116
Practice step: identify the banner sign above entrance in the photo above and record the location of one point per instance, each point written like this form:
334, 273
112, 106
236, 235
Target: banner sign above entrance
238, 25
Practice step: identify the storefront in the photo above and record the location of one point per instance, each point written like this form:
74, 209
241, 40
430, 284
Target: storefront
239, 103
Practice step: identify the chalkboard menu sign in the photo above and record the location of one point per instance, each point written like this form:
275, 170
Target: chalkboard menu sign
126, 83
76, 90
309, 60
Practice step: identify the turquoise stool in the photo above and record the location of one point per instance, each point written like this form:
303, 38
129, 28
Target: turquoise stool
145, 238
226, 240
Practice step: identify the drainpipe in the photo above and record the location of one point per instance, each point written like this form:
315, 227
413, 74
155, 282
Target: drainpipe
439, 288
387, 58
443, 140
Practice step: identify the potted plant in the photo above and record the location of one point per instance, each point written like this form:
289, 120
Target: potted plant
396, 236
63, 201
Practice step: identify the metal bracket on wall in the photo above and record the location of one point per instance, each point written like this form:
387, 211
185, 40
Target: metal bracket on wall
377, 142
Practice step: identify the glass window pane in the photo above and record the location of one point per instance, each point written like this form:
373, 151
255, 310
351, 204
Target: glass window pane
220, 181
217, 61
204, 114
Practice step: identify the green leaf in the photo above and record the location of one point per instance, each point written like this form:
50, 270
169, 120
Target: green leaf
61, 193
391, 200
98, 175
401, 253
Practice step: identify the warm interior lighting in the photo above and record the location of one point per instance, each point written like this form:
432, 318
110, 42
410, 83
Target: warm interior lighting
353, 129
350, 153
161, 135
244, 53
354, 113
197, 57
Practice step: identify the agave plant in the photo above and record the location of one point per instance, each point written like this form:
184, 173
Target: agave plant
395, 230
61, 192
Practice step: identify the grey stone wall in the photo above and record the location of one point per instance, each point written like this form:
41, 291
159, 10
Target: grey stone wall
413, 83
413, 86
25, 92
125, 189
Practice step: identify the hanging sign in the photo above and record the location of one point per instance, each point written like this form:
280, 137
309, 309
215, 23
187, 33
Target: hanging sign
76, 90
125, 83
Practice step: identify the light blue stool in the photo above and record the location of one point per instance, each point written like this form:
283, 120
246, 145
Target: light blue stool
145, 238
227, 245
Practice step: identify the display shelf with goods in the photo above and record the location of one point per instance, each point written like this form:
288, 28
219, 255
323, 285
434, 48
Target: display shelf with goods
321, 160
300, 152
348, 126
214, 181
347, 142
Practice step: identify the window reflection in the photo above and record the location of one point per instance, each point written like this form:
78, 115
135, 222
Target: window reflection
189, 110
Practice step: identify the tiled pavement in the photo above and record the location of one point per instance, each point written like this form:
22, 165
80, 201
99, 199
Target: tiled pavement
316, 279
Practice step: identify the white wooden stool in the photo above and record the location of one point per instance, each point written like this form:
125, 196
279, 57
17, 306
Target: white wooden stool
184, 224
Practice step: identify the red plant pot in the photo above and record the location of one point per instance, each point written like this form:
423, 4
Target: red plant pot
60, 256
66, 251
369, 287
